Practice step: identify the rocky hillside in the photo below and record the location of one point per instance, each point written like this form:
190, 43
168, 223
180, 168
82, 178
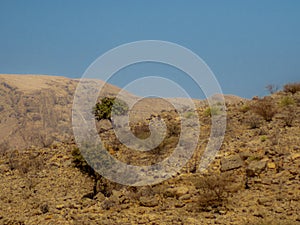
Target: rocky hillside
36, 110
254, 179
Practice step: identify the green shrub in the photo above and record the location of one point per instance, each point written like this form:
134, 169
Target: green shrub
286, 101
189, 114
292, 87
212, 111
244, 108
263, 138
103, 109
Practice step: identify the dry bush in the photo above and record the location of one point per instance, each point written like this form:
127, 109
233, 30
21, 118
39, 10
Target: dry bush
265, 107
101, 184
25, 163
214, 189
292, 87
272, 88
28, 164
287, 104
13, 159
253, 122
45, 139
81, 163
270, 221
289, 117
4, 147
141, 130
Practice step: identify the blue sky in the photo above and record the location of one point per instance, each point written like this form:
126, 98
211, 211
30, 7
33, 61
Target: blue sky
247, 44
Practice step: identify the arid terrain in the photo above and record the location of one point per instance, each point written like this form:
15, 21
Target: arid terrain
254, 178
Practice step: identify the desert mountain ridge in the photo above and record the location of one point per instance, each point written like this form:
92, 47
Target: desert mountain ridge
37, 109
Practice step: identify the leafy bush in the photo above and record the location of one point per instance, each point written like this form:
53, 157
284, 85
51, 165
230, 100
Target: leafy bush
292, 87
103, 109
265, 108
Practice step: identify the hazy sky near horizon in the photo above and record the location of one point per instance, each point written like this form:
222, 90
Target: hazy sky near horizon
247, 44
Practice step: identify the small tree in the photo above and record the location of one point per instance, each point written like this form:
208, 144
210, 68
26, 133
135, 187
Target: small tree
103, 109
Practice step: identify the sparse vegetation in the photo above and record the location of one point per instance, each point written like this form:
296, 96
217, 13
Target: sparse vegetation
265, 107
212, 111
287, 104
292, 87
24, 163
214, 189
286, 101
4, 147
100, 183
272, 88
289, 117
254, 122
81, 163
270, 221
141, 130
245, 108
263, 138
189, 114
107, 106
253, 177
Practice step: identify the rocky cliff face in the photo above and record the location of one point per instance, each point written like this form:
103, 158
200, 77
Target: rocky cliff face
35, 115
37, 110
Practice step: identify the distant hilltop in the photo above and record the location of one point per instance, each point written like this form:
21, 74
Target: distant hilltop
36, 109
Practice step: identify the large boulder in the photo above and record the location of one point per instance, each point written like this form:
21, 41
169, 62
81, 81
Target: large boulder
255, 167
231, 162
149, 201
